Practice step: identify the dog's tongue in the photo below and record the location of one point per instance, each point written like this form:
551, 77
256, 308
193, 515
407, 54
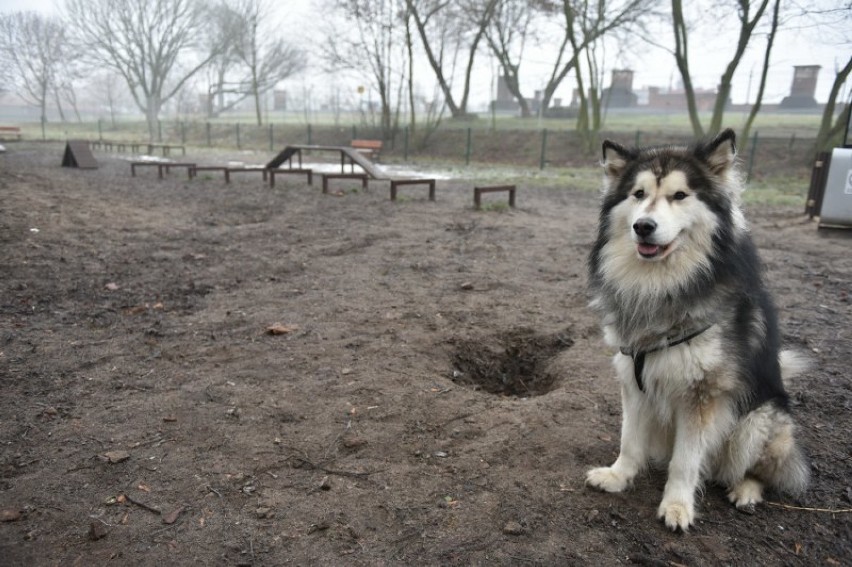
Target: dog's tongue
648, 249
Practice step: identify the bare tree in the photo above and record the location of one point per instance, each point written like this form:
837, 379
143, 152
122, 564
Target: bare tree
448, 30
830, 23
33, 49
223, 93
375, 49
767, 53
828, 130
748, 14
266, 58
507, 34
576, 25
148, 42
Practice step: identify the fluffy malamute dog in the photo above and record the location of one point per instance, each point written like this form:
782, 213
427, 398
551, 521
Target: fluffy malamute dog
676, 279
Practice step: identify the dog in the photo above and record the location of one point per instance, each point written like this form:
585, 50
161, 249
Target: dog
676, 279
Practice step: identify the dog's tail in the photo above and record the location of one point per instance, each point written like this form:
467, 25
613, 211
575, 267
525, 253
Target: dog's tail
793, 364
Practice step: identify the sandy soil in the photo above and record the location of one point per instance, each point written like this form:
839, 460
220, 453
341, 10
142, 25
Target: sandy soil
434, 394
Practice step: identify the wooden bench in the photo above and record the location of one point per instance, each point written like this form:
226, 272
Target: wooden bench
327, 176
370, 148
166, 148
478, 191
162, 167
397, 182
263, 171
193, 171
309, 173
10, 130
109, 145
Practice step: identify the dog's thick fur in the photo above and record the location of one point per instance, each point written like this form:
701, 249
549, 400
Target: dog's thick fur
676, 279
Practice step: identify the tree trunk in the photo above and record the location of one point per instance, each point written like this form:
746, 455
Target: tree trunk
682, 60
770, 40
826, 130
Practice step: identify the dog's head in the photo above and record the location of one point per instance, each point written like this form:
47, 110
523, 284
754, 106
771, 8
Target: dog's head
670, 199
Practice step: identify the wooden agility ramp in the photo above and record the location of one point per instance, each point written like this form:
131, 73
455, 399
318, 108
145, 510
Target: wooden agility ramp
78, 154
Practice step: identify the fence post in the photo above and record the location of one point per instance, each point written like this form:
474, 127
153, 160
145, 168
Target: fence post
159, 130
405, 146
751, 156
209, 140
354, 132
100, 131
638, 138
271, 137
468, 146
310, 135
543, 160
183, 133
238, 136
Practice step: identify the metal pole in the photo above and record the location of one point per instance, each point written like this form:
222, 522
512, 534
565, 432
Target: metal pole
467, 148
209, 141
405, 146
100, 131
238, 136
159, 130
271, 137
543, 160
751, 156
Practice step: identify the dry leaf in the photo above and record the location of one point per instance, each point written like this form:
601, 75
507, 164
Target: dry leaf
112, 286
144, 487
113, 457
172, 517
281, 329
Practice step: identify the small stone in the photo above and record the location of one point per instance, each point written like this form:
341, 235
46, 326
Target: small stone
514, 528
264, 512
97, 530
10, 515
467, 286
441, 454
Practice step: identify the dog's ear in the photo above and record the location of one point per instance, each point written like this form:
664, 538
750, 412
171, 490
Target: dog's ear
615, 159
721, 152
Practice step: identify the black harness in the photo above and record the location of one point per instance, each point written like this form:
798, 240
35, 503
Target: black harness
639, 357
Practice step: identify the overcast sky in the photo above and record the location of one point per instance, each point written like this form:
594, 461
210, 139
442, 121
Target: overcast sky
709, 53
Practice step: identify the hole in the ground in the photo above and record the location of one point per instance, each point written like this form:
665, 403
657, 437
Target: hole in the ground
514, 363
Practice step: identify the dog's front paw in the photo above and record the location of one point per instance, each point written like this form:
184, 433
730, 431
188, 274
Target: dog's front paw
677, 515
606, 479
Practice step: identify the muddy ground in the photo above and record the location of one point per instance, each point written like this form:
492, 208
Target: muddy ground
434, 393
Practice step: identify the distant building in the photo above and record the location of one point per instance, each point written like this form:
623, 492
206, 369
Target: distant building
803, 88
505, 102
620, 92
675, 99
279, 99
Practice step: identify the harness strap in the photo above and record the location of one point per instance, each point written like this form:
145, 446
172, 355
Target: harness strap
639, 357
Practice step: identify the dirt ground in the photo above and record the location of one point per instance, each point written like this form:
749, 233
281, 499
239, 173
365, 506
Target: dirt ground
432, 395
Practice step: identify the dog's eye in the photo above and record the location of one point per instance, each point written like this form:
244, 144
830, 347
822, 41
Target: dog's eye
640, 194
679, 196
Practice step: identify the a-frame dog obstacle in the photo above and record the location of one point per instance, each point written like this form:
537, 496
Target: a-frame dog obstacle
79, 154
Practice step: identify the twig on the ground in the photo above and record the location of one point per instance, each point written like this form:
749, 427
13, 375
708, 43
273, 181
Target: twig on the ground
806, 509
143, 505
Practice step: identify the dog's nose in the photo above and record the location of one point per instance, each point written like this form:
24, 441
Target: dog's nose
644, 227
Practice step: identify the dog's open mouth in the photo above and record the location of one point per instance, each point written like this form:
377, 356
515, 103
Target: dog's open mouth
653, 251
